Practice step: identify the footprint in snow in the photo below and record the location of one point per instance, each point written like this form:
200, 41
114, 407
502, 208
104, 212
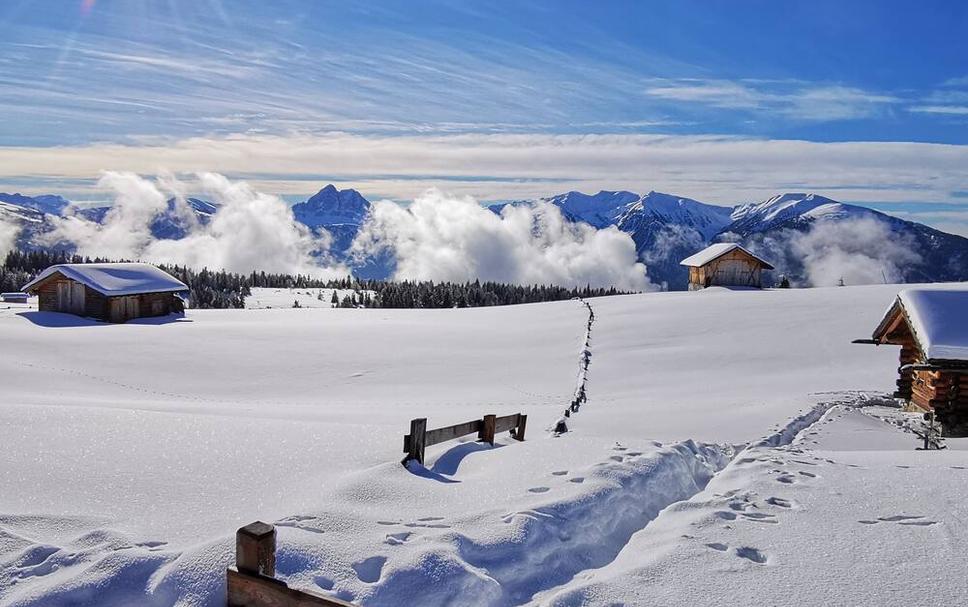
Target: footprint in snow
395, 539
807, 474
369, 570
617, 458
539, 489
779, 501
577, 480
760, 517
751, 554
919, 523
717, 546
897, 518
786, 479
725, 515
560, 473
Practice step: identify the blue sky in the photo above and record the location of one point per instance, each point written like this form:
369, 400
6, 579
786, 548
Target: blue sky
393, 97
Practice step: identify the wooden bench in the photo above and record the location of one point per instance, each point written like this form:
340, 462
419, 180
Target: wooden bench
415, 443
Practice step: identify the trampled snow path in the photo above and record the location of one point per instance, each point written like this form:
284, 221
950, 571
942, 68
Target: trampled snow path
584, 361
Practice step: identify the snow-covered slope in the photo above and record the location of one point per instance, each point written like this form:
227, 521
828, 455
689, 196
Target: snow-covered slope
48, 203
792, 210
599, 210
132, 452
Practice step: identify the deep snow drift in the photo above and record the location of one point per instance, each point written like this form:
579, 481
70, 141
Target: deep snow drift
133, 452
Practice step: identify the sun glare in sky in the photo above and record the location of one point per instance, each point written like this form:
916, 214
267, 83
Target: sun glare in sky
87, 6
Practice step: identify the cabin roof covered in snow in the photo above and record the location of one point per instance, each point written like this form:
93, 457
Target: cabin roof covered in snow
115, 279
937, 318
715, 251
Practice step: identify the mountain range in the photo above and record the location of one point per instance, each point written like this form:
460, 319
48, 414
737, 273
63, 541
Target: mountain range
792, 230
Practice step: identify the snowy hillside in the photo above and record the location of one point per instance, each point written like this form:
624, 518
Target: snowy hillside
133, 452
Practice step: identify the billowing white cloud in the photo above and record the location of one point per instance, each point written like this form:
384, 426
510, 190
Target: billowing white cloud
443, 237
859, 251
8, 236
250, 231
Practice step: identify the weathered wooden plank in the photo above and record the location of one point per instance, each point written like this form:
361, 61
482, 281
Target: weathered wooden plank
487, 429
255, 549
503, 424
440, 435
418, 440
245, 590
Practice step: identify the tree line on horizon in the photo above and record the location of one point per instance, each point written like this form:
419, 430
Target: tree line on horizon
218, 289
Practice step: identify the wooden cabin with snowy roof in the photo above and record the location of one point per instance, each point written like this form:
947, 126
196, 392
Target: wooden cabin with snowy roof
725, 264
112, 292
931, 326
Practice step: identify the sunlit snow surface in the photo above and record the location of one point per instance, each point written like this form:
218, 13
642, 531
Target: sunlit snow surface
132, 452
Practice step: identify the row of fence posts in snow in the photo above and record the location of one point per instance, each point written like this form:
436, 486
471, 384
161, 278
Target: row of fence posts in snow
252, 581
585, 360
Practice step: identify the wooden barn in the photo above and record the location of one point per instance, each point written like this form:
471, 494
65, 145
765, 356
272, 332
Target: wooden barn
725, 265
112, 292
931, 326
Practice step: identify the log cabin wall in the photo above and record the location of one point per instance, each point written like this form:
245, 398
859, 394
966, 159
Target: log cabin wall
99, 306
734, 269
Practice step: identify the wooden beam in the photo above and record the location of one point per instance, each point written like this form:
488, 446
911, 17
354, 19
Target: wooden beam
487, 429
246, 590
416, 442
440, 435
255, 549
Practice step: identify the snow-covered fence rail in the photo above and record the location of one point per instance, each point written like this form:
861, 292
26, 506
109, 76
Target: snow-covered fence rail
415, 443
252, 582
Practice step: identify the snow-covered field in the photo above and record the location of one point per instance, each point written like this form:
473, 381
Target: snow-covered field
131, 453
264, 297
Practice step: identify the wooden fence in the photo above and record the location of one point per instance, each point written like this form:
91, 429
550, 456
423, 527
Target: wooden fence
420, 438
252, 582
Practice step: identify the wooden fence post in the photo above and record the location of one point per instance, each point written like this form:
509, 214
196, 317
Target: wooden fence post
488, 428
418, 440
255, 549
522, 425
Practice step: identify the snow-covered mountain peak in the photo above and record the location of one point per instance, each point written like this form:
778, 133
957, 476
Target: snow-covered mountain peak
332, 206
707, 219
600, 210
790, 207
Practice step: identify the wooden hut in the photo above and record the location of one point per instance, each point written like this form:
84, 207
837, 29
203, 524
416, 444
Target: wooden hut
931, 326
113, 292
725, 264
